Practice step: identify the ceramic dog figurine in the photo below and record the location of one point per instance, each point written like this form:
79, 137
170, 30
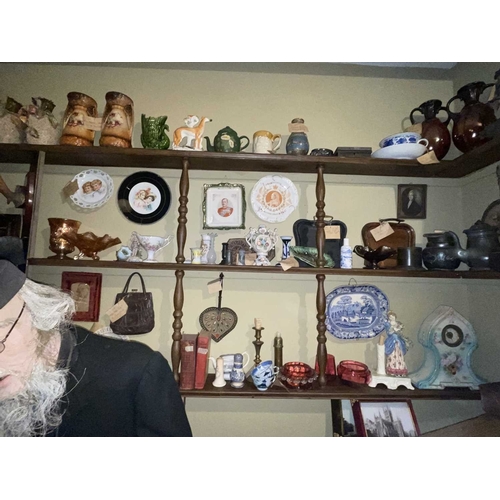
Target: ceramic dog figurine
193, 132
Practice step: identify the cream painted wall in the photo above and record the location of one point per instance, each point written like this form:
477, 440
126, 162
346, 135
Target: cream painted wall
339, 111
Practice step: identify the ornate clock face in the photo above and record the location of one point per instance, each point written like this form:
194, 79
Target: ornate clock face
452, 335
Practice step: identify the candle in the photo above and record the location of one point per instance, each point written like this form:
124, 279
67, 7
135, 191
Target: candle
381, 359
257, 323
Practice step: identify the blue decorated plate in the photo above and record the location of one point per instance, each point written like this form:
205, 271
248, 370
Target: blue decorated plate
356, 312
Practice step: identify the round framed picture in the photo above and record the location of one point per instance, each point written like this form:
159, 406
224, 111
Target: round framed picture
144, 197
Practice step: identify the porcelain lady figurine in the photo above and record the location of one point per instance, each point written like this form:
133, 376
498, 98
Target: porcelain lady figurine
395, 347
76, 131
237, 373
117, 121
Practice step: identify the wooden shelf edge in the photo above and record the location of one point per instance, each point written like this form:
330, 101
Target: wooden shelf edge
172, 266
96, 156
335, 389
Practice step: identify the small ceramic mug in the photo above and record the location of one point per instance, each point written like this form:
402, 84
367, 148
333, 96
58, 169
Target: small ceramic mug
264, 142
264, 375
403, 138
196, 255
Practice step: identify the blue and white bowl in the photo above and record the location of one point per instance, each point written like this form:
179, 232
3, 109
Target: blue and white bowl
403, 138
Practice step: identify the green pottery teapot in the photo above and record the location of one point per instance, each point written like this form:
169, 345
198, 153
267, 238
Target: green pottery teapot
227, 141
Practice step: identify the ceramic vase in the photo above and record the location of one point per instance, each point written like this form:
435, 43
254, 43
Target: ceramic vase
237, 373
79, 110
211, 255
117, 121
297, 143
285, 251
12, 128
42, 127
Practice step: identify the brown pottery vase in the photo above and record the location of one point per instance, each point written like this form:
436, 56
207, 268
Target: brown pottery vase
117, 121
75, 131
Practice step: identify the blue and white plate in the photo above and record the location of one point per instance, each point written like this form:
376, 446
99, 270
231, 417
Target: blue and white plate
356, 312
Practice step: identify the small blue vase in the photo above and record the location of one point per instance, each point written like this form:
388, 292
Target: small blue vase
297, 143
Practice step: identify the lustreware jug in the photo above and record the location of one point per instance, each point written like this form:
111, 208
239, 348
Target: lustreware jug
473, 117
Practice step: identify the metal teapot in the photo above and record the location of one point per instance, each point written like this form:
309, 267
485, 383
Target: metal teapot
443, 251
482, 240
227, 141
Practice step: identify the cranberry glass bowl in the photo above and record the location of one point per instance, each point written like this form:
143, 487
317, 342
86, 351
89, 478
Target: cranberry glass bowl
354, 371
297, 375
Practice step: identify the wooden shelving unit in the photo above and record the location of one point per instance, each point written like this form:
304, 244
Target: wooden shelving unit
172, 266
334, 389
248, 162
39, 156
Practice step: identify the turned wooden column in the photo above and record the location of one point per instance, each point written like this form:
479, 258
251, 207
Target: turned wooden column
32, 204
320, 294
179, 274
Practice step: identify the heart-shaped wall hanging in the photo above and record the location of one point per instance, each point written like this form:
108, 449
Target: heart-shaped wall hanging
219, 321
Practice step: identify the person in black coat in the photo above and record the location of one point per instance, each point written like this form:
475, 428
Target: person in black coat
57, 379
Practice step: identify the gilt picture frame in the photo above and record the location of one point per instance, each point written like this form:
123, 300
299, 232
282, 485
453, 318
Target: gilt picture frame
412, 201
224, 206
85, 288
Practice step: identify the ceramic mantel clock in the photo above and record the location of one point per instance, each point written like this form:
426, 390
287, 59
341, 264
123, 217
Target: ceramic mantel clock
449, 341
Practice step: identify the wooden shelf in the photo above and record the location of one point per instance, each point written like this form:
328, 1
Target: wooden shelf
170, 266
248, 162
335, 389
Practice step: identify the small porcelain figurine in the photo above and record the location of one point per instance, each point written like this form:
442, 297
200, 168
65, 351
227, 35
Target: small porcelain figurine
192, 132
219, 380
395, 347
262, 240
154, 132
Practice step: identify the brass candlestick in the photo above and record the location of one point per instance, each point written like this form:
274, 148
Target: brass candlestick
258, 344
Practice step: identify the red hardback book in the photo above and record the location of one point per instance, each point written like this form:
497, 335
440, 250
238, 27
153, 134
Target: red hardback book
188, 360
202, 355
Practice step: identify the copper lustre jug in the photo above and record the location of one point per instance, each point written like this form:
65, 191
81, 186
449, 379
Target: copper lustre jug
433, 129
473, 117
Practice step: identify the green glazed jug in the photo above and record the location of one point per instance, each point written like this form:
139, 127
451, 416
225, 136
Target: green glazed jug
154, 135
227, 141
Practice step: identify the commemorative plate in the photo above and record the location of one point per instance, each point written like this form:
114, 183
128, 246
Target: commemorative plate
356, 312
274, 198
144, 197
95, 188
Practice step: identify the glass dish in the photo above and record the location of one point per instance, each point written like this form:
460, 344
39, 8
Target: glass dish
354, 371
297, 375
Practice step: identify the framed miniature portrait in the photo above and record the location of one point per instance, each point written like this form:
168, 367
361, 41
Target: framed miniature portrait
385, 419
412, 201
85, 288
224, 206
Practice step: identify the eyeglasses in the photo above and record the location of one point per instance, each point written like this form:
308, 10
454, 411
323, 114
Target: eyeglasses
2, 342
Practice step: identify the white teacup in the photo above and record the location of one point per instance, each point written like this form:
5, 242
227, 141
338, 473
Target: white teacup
264, 375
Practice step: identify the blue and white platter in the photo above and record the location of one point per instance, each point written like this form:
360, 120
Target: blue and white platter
356, 312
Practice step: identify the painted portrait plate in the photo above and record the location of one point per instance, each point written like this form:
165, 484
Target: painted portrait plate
356, 312
274, 198
144, 197
95, 188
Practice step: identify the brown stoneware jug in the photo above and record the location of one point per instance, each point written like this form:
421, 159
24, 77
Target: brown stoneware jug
75, 130
433, 129
473, 117
442, 252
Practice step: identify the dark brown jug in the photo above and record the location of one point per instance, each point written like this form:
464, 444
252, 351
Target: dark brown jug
482, 240
473, 118
433, 129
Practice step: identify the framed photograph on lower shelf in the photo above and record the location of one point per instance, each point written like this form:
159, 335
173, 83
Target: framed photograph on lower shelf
385, 419
85, 288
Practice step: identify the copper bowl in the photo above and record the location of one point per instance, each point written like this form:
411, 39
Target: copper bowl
297, 375
89, 244
354, 371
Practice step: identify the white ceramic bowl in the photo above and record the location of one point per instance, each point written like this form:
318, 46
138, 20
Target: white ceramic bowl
400, 152
402, 138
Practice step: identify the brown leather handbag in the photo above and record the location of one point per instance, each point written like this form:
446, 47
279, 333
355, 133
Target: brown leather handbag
140, 315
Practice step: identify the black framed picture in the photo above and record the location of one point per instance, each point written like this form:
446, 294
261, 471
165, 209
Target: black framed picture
412, 201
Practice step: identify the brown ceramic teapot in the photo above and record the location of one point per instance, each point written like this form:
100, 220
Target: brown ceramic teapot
433, 129
473, 117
